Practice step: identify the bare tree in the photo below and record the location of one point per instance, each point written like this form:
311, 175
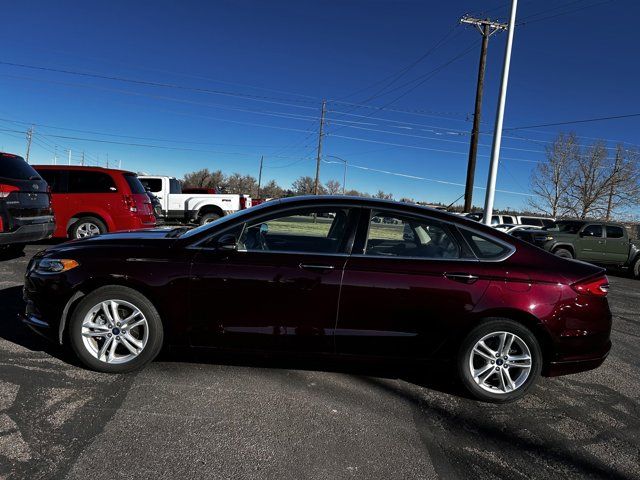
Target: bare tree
305, 186
383, 195
624, 182
552, 179
333, 187
204, 178
271, 190
241, 184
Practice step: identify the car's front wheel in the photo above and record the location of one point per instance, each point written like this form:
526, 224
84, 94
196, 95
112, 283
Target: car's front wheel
499, 361
115, 329
636, 269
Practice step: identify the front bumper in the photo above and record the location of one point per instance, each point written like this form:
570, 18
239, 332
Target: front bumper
28, 233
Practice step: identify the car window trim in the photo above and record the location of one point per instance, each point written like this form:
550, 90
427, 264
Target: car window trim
511, 248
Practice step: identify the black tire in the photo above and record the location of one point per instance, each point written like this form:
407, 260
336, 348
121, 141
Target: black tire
82, 222
115, 292
563, 253
635, 270
488, 394
208, 218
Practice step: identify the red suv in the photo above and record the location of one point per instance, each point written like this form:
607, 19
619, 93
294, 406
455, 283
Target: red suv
89, 201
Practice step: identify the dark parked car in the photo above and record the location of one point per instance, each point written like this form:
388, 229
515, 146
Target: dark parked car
25, 205
281, 276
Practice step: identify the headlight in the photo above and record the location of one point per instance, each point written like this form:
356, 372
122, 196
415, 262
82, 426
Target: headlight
56, 265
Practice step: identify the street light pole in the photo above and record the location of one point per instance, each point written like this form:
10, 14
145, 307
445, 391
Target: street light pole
497, 131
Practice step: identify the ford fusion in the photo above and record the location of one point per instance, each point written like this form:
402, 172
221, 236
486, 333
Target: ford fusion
332, 275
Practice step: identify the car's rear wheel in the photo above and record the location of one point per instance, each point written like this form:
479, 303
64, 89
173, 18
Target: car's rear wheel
115, 329
87, 227
208, 218
563, 253
499, 361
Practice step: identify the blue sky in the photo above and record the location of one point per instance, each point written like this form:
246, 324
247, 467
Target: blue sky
266, 66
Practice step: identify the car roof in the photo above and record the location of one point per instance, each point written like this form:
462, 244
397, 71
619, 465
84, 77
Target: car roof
81, 168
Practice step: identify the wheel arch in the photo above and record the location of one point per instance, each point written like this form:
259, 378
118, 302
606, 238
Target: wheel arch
566, 246
210, 209
104, 217
95, 283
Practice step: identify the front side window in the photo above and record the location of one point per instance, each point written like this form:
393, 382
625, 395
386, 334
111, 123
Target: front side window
484, 247
395, 235
614, 232
592, 231
507, 219
310, 230
90, 182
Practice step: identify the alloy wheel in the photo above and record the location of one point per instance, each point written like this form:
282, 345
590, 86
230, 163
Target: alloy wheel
87, 229
500, 362
115, 331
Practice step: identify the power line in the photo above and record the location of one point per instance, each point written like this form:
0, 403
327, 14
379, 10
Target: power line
572, 122
154, 84
526, 22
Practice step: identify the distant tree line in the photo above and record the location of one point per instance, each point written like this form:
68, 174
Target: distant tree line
586, 181
248, 184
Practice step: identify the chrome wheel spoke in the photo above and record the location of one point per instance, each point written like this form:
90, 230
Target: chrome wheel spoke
101, 339
500, 362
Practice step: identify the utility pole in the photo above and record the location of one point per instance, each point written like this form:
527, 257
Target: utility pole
344, 179
497, 130
82, 162
319, 157
107, 160
55, 154
486, 28
29, 136
69, 162
260, 176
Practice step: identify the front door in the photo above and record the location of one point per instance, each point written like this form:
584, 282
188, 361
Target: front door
406, 288
590, 244
280, 289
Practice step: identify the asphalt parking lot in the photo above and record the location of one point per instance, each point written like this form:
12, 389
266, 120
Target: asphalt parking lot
207, 416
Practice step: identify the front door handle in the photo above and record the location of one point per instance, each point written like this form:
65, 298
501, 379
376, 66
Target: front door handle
462, 277
322, 268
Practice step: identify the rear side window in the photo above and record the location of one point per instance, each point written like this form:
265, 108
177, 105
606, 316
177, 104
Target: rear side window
14, 167
548, 223
484, 247
174, 186
614, 232
507, 219
153, 184
55, 180
134, 183
90, 182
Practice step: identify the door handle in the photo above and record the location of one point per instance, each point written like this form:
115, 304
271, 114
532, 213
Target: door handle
307, 266
462, 277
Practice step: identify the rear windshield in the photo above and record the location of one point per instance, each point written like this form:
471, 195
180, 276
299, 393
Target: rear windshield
134, 183
12, 166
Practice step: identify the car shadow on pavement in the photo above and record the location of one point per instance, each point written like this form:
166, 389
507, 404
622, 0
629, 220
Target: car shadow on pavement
438, 376
14, 331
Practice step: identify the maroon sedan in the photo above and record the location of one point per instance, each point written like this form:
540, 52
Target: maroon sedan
334, 275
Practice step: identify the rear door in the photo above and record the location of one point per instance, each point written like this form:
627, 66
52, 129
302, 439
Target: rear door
93, 191
409, 280
617, 244
590, 244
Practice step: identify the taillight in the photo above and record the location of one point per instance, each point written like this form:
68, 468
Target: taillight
129, 203
245, 202
5, 190
597, 288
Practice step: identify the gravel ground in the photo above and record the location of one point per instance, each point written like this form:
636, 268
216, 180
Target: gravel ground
201, 415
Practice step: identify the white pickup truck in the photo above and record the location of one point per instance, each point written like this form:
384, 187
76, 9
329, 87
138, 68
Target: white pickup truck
198, 208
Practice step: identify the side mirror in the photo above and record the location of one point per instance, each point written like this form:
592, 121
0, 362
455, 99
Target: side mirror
227, 242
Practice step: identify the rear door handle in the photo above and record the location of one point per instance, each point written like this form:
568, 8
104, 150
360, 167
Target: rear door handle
462, 277
322, 268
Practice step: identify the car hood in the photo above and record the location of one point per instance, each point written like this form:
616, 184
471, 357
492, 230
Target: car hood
141, 238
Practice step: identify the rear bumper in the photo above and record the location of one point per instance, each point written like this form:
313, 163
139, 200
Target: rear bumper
28, 233
576, 365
